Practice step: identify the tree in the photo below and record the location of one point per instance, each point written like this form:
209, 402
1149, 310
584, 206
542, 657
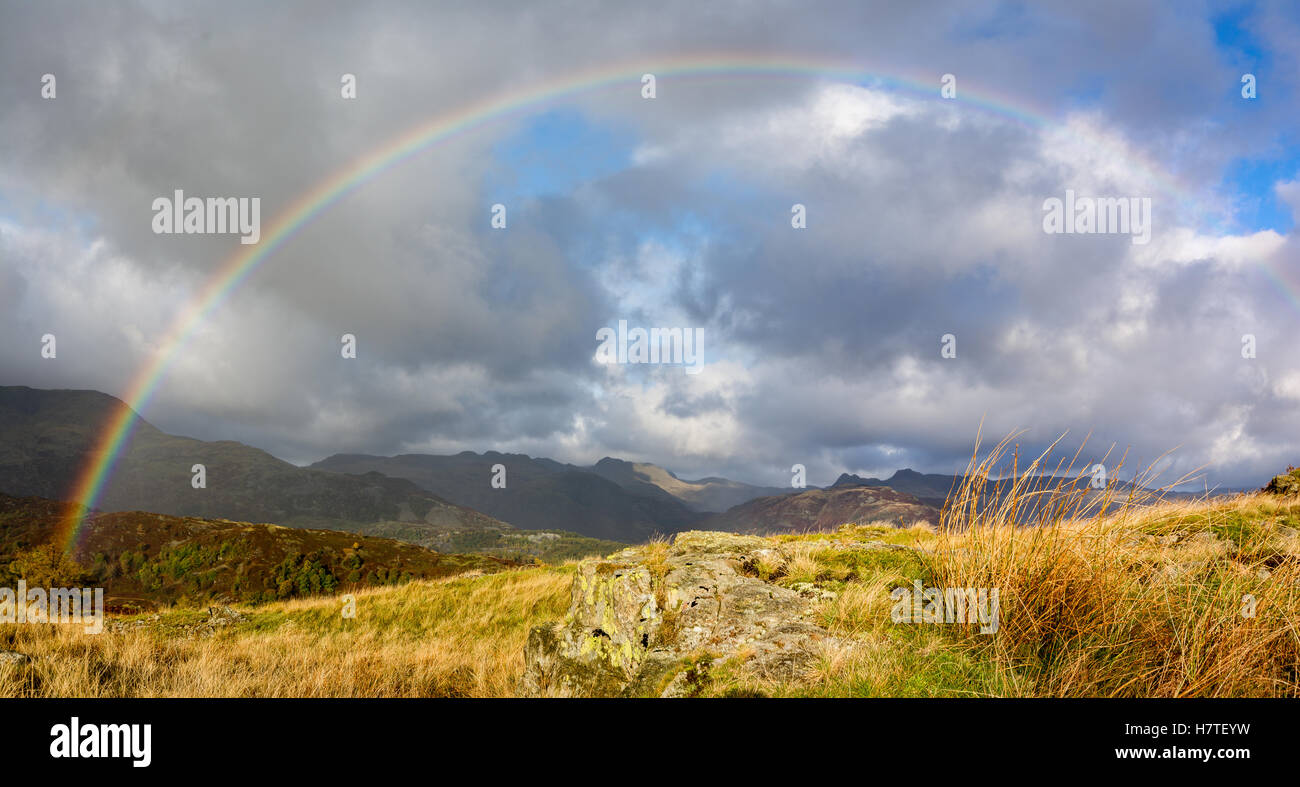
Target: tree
48, 566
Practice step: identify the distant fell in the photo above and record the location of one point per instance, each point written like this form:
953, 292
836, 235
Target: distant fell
48, 436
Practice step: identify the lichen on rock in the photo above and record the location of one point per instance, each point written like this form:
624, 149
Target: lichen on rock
650, 622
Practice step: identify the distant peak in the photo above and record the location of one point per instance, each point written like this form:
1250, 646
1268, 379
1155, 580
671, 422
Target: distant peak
850, 479
906, 472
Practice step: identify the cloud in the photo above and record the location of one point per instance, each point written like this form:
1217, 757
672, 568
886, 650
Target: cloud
924, 218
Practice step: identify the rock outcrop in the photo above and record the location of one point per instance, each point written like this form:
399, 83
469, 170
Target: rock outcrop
1286, 484
653, 620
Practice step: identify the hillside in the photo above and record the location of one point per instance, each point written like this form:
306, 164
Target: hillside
706, 494
540, 494
822, 510
1144, 603
143, 560
547, 546
439, 501
46, 437
931, 488
934, 488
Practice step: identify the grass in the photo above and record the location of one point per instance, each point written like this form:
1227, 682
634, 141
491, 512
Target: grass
1099, 607
1132, 597
1101, 594
438, 638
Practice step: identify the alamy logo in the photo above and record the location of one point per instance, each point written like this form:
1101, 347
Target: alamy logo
94, 741
682, 346
211, 216
53, 605
946, 605
1099, 215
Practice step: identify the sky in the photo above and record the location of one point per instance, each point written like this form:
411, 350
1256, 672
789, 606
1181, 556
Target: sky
821, 345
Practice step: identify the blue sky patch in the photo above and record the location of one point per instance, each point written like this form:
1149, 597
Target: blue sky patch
554, 153
1252, 182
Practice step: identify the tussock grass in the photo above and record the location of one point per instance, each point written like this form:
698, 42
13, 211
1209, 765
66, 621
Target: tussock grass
1127, 597
1109, 592
454, 637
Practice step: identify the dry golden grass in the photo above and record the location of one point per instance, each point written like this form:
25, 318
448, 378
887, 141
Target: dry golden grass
1128, 597
455, 637
1155, 602
1101, 594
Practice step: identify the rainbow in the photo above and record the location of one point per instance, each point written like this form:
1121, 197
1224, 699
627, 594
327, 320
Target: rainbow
98, 468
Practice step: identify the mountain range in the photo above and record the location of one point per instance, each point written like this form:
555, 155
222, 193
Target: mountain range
824, 510
47, 435
539, 494
431, 500
613, 498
